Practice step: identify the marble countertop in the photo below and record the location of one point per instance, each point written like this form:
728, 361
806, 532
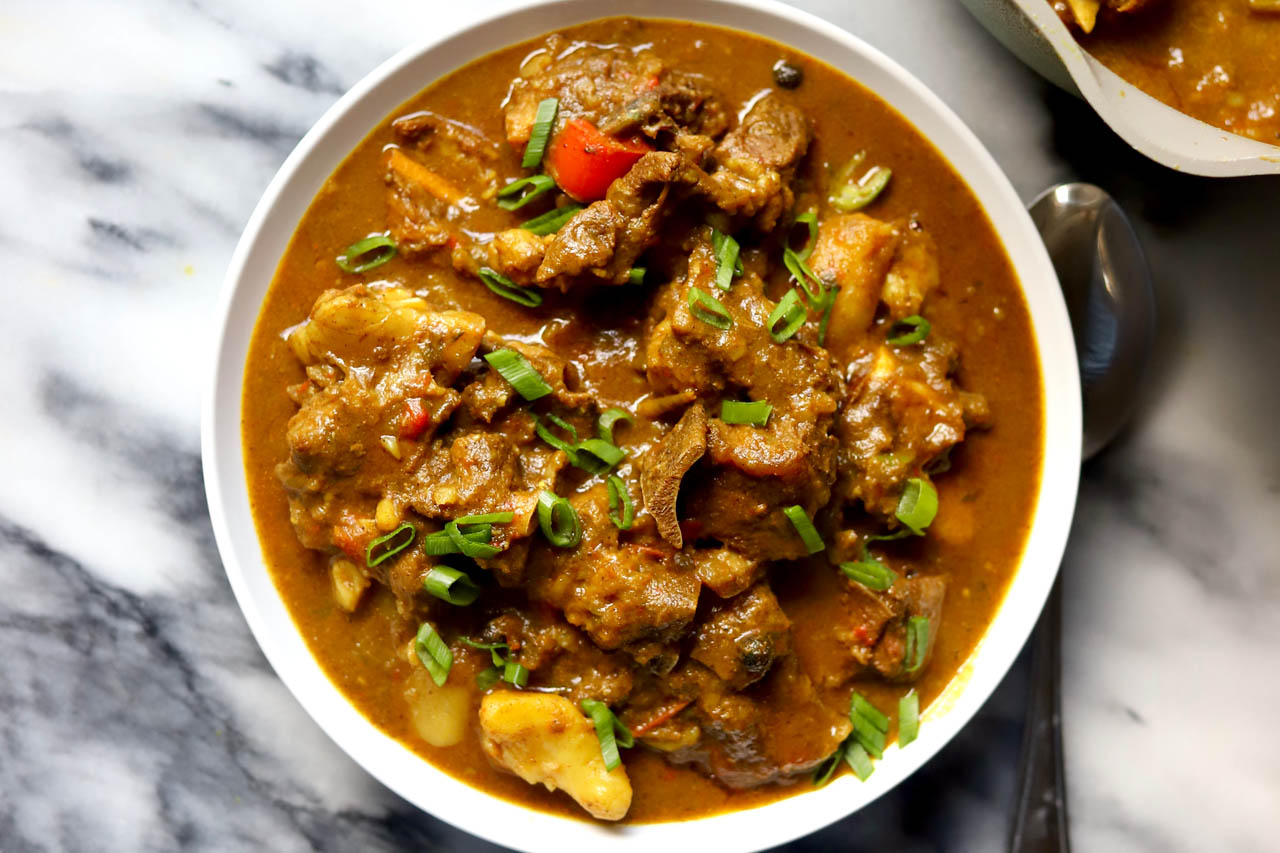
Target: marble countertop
136, 712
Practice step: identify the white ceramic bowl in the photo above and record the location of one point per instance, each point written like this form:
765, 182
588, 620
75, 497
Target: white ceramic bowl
1035, 34
254, 263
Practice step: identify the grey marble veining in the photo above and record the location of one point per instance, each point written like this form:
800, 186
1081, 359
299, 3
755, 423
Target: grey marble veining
136, 712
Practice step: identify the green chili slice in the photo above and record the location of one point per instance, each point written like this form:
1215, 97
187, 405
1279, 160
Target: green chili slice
434, 653
726, 250
908, 331
451, 585
518, 193
558, 520
708, 309
517, 370
551, 221
543, 120
751, 414
918, 505
908, 718
508, 289
387, 546
790, 313
610, 417
808, 533
621, 511
364, 255
609, 731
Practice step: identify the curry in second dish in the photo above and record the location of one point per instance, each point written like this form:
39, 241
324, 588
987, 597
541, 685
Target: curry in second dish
1215, 60
644, 422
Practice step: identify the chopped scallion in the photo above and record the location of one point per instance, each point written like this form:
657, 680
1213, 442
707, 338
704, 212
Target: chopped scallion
621, 511
517, 370
518, 193
609, 731
558, 520
636, 276
755, 413
855, 195
543, 121
810, 221
440, 543
504, 517
790, 313
726, 251
544, 433
861, 706
497, 651
859, 761
451, 585
708, 309
908, 718
604, 426
804, 526
918, 505
434, 653
823, 772
908, 331
872, 574
917, 643
488, 677
364, 255
387, 546
593, 449
551, 221
469, 547
508, 289
515, 673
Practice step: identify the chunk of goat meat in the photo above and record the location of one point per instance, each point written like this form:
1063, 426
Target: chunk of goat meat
447, 136
922, 597
680, 103
724, 571
664, 466
517, 254
543, 642
773, 133
739, 639
607, 238
418, 203
914, 274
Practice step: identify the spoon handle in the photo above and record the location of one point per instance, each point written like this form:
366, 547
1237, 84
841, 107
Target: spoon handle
1040, 812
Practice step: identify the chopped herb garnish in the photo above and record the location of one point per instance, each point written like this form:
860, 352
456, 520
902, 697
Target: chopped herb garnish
751, 414
708, 309
908, 331
849, 194
858, 761
558, 520
518, 193
636, 275
804, 526
728, 264
621, 511
917, 643
810, 221
364, 255
508, 289
908, 718
387, 546
543, 121
517, 370
591, 449
918, 505
451, 585
551, 221
610, 417
609, 731
790, 313
434, 653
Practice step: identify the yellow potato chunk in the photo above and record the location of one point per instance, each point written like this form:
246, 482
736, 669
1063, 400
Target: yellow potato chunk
439, 714
544, 739
349, 583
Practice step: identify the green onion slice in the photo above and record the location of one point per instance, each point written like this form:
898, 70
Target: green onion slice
752, 414
518, 193
636, 276
826, 314
604, 426
468, 547
517, 370
872, 574
823, 772
803, 275
504, 517
918, 505
497, 651
708, 309
515, 673
440, 543
544, 433
434, 653
543, 121
551, 221
508, 289
790, 313
387, 546
488, 677
908, 718
908, 331
451, 585
859, 761
621, 511
861, 706
608, 454
810, 221
917, 642
728, 263
609, 731
855, 195
808, 533
364, 255
558, 520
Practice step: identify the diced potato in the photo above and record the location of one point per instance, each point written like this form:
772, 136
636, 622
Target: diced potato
544, 739
349, 583
387, 515
914, 274
439, 714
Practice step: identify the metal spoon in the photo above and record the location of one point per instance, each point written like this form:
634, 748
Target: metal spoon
1107, 285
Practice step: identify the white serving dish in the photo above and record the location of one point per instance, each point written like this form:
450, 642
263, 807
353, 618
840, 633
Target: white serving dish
1035, 34
254, 262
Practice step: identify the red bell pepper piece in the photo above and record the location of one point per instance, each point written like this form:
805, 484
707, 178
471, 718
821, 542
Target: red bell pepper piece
584, 161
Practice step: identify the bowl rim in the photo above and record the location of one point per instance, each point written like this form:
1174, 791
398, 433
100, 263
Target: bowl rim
253, 265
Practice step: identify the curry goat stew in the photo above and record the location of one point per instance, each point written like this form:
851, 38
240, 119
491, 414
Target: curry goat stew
704, 572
